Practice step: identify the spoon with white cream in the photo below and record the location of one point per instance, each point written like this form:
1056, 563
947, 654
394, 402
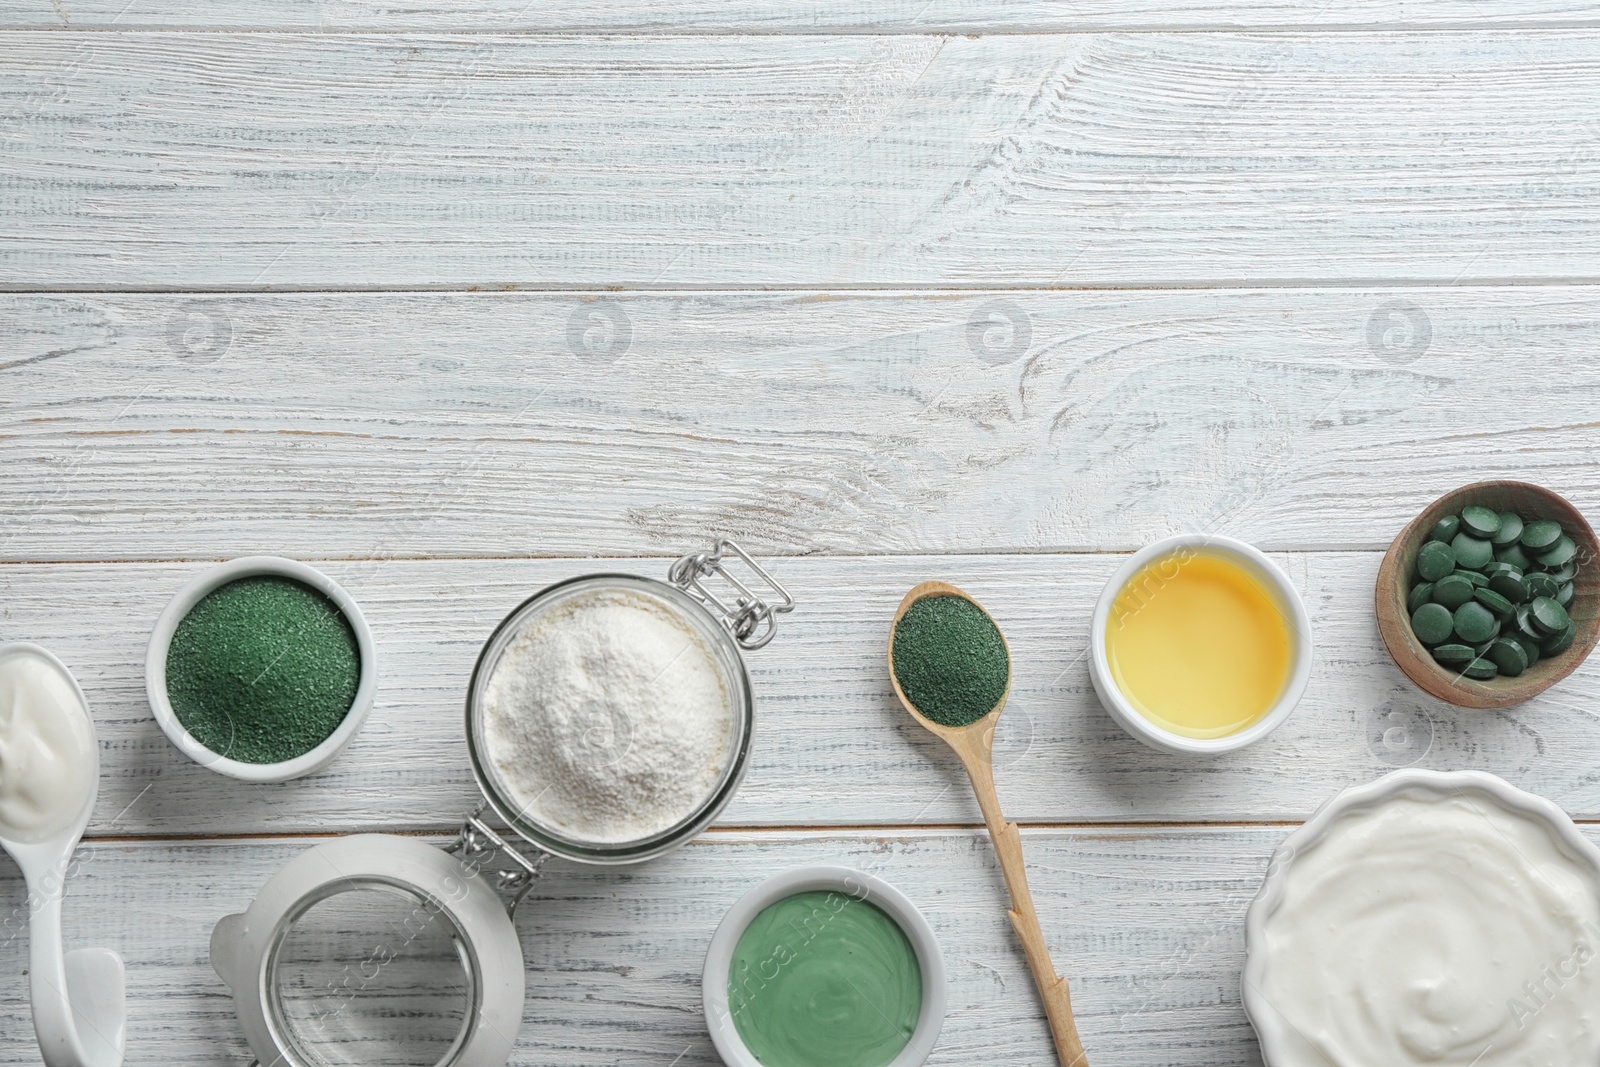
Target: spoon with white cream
49, 776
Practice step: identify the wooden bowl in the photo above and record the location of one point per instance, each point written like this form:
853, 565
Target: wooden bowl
1399, 564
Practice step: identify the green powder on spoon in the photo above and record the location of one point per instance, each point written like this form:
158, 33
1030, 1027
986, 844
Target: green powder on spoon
950, 660
821, 979
263, 669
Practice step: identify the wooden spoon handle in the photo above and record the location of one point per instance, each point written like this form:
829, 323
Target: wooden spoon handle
1008, 847
1052, 987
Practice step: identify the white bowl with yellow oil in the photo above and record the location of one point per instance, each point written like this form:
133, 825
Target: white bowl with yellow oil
1200, 644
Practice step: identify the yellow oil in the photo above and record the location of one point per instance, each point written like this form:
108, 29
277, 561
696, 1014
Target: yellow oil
1199, 643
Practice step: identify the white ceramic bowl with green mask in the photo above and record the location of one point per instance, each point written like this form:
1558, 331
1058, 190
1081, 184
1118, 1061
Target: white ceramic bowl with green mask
841, 888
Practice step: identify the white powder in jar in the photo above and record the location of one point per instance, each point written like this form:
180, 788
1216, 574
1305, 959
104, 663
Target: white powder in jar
607, 718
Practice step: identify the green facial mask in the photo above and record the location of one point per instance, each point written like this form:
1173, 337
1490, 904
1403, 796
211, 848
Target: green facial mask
821, 979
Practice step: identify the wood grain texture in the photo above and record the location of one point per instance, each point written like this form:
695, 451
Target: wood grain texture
876, 439
782, 16
1152, 922
832, 746
182, 160
406, 425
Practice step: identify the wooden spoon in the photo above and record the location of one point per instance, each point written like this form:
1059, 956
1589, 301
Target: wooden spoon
974, 745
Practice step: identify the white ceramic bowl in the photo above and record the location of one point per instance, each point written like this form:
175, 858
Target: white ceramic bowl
1270, 1027
1130, 718
852, 883
155, 669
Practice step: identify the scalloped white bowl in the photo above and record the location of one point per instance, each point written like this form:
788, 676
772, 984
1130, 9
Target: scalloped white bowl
1269, 1026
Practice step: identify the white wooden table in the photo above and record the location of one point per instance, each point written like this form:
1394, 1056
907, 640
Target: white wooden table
452, 299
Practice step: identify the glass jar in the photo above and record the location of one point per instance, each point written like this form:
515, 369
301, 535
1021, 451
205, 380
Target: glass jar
552, 839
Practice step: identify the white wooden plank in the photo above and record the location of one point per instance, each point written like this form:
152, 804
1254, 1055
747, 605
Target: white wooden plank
1147, 927
158, 160
405, 425
778, 16
832, 746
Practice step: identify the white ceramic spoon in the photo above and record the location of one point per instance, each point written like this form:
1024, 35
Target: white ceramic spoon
79, 1010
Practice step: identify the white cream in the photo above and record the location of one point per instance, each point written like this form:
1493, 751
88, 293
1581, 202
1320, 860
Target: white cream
47, 752
1437, 931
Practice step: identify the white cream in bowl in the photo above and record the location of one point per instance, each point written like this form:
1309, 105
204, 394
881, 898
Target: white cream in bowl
1437, 926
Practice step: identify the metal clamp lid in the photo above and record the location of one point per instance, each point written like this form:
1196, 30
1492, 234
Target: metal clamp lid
752, 617
477, 845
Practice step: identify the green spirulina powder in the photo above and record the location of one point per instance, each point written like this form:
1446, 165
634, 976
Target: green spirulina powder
821, 979
950, 660
263, 669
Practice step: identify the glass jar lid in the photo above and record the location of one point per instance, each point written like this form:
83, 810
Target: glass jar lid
374, 949
372, 972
